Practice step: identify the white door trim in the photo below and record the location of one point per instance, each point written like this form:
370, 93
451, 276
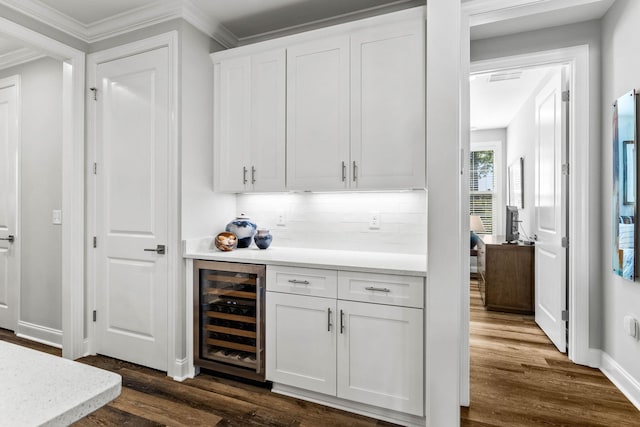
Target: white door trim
175, 294
72, 180
578, 59
17, 245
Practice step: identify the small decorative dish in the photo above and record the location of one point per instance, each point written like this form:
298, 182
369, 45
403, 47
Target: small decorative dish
226, 241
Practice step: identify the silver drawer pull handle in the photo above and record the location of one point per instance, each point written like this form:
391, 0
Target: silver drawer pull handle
299, 282
371, 288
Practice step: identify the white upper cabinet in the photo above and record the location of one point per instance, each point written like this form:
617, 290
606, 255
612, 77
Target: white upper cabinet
268, 111
249, 123
232, 110
388, 107
344, 105
318, 115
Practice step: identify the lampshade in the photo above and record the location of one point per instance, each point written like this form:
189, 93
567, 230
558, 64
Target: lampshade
475, 224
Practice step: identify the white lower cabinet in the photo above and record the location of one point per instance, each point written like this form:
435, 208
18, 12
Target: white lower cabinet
301, 341
362, 352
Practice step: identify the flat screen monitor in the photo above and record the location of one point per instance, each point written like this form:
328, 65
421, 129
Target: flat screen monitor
511, 230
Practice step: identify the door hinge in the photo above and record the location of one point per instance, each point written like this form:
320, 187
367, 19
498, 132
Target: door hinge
565, 169
565, 96
95, 93
565, 315
565, 242
95, 242
95, 168
95, 315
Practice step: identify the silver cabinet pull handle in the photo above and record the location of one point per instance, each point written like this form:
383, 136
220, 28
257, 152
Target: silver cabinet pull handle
9, 238
341, 321
344, 172
371, 288
244, 174
355, 171
299, 282
253, 175
160, 250
329, 325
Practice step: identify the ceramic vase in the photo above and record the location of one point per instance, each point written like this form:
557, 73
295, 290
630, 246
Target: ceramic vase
263, 239
244, 229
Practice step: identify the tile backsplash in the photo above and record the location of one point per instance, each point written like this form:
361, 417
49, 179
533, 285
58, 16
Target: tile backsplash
341, 220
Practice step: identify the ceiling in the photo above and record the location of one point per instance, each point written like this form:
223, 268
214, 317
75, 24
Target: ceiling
494, 104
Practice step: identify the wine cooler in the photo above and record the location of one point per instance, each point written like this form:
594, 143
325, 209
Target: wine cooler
229, 318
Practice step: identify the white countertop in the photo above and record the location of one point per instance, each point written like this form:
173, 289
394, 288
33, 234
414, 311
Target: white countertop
37, 388
378, 262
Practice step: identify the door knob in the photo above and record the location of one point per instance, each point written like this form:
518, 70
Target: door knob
9, 239
160, 250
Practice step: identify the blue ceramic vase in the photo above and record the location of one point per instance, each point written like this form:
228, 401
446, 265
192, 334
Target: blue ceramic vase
263, 239
244, 229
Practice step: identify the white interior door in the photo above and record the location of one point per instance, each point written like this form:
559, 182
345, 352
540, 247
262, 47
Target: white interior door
132, 143
550, 211
9, 250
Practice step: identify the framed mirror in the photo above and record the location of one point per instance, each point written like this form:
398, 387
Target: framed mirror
625, 156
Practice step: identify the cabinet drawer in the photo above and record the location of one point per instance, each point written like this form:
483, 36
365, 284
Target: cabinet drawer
406, 291
303, 281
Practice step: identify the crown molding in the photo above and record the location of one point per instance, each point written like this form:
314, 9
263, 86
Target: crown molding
482, 12
334, 20
131, 20
19, 56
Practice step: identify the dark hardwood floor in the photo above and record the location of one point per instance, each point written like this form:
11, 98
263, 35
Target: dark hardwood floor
517, 379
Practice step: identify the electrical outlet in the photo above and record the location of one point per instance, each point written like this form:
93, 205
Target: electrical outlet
374, 220
282, 220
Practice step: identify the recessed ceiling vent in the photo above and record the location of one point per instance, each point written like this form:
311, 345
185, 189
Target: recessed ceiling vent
505, 75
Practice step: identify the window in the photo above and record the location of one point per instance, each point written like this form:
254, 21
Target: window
483, 190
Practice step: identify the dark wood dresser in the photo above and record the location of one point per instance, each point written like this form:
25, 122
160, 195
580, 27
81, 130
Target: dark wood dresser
506, 275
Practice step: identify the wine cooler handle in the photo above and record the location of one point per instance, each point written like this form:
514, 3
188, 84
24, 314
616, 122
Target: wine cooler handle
341, 321
329, 325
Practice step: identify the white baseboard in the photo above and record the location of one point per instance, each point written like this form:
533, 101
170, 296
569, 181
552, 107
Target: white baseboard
182, 370
628, 385
41, 334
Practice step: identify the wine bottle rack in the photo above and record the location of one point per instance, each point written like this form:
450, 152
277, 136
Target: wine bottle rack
229, 318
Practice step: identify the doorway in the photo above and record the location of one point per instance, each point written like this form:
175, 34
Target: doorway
71, 152
518, 148
579, 198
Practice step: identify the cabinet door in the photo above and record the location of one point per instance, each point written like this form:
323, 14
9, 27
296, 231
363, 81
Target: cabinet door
232, 115
318, 115
380, 356
267, 152
388, 107
301, 341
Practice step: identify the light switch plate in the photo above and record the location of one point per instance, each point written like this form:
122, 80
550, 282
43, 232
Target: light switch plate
631, 326
56, 217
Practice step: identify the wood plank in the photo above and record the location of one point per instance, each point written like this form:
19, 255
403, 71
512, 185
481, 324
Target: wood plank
231, 345
227, 316
163, 411
231, 331
231, 279
230, 293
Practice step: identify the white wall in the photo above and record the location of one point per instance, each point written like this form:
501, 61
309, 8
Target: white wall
585, 33
203, 211
41, 192
341, 220
621, 73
